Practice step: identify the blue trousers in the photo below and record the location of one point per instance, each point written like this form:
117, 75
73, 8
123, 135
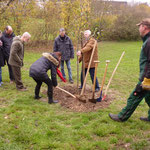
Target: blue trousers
92, 71
68, 67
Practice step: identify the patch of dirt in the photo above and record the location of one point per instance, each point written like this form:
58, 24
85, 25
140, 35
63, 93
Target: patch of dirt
69, 102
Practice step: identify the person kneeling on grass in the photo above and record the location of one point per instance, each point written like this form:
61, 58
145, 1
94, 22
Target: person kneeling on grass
38, 71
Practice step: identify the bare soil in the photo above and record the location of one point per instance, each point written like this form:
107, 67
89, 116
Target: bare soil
73, 104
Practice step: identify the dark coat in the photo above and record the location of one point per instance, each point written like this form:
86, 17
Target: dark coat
7, 41
16, 53
38, 69
2, 63
65, 47
145, 58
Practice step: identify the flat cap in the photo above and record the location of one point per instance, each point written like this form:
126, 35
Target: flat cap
145, 21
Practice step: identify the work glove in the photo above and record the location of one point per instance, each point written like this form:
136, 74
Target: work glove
138, 90
146, 84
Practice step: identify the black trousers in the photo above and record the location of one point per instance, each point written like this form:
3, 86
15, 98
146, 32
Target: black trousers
49, 85
11, 76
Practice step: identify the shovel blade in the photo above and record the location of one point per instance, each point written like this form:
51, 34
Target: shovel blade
104, 97
100, 98
93, 100
80, 98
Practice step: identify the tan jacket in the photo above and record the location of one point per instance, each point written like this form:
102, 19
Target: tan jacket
87, 51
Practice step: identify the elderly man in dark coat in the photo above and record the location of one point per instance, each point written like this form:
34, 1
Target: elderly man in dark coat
64, 45
7, 39
1, 59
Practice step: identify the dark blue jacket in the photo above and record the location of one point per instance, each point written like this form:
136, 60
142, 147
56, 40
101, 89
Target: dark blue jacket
2, 63
7, 41
38, 69
65, 47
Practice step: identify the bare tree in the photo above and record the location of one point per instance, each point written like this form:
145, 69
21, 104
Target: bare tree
4, 5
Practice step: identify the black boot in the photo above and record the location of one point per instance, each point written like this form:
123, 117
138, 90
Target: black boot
50, 97
37, 97
51, 101
37, 89
144, 119
114, 117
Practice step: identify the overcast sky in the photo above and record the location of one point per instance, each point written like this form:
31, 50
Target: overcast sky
135, 1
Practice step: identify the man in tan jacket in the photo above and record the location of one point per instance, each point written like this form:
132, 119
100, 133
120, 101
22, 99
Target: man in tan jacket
16, 58
87, 51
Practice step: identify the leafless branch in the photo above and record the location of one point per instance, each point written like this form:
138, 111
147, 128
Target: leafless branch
7, 5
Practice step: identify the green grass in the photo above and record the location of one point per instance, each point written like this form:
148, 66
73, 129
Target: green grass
29, 124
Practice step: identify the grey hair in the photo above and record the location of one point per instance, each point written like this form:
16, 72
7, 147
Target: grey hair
26, 34
87, 32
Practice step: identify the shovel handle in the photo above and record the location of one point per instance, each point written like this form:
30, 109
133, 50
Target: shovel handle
103, 81
114, 73
66, 92
93, 91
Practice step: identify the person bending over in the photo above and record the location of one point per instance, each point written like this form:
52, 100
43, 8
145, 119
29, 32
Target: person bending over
38, 71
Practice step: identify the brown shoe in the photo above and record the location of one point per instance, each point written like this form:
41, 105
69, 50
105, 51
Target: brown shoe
144, 119
22, 89
114, 117
11, 82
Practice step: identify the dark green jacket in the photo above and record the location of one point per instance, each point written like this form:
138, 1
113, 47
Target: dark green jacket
145, 58
16, 53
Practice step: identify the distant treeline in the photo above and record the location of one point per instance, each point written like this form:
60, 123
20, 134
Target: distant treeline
43, 18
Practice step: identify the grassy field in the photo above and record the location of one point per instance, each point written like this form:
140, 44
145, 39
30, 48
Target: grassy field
29, 124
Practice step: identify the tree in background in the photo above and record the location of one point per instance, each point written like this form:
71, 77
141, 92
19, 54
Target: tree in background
43, 18
124, 27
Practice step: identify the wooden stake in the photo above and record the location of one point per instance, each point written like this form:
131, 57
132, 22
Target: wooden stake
113, 75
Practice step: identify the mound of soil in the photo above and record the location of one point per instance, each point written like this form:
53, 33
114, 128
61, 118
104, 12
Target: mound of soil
69, 102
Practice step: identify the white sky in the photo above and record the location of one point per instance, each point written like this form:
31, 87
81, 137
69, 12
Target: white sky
135, 1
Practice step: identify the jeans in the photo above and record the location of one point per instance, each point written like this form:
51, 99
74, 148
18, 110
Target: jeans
92, 72
68, 67
0, 74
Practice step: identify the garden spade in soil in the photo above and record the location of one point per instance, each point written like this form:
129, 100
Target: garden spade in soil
103, 81
93, 91
64, 80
